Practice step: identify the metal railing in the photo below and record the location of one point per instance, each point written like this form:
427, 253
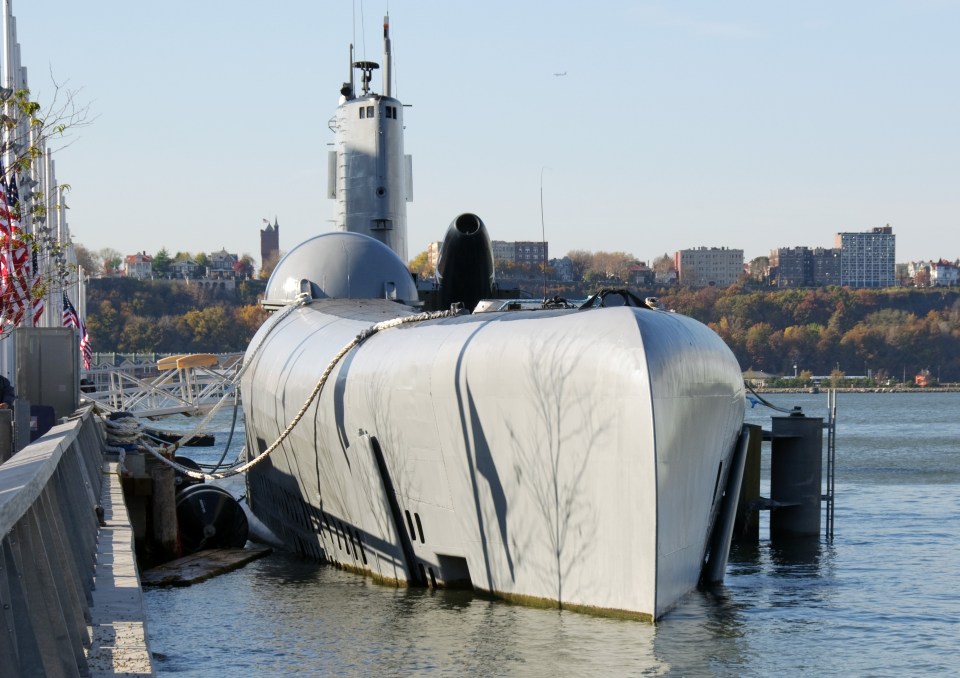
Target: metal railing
158, 392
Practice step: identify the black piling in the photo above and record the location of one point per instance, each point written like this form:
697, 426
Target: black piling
796, 463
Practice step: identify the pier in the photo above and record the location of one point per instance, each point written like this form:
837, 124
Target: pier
69, 588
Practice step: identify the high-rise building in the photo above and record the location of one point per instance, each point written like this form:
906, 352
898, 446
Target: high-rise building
708, 266
791, 267
804, 267
826, 266
868, 259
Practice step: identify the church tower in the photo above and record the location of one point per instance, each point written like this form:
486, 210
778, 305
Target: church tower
269, 246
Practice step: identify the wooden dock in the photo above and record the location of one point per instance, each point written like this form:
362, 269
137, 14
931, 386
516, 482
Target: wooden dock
200, 566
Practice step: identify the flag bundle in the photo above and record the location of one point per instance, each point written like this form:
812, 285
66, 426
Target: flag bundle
72, 319
20, 282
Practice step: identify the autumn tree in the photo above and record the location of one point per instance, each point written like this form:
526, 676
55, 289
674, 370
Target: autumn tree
112, 260
421, 266
243, 266
86, 259
581, 261
269, 264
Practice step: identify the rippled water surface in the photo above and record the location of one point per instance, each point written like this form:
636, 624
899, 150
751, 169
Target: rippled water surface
883, 598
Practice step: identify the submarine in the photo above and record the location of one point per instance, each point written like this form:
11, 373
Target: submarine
566, 456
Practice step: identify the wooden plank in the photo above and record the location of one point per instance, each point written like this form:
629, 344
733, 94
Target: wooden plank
200, 566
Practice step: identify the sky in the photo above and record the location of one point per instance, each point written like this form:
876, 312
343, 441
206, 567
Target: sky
643, 127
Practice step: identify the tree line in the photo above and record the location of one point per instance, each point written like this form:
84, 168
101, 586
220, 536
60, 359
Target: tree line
887, 334
143, 316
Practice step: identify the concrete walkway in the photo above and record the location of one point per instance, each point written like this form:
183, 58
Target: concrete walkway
118, 620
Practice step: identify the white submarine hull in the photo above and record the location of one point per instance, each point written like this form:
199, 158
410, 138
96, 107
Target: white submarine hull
567, 457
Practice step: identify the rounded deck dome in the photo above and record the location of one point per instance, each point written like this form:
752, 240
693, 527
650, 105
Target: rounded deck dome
340, 265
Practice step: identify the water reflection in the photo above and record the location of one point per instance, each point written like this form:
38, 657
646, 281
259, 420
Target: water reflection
881, 599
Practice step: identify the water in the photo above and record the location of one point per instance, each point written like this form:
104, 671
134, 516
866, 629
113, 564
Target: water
881, 599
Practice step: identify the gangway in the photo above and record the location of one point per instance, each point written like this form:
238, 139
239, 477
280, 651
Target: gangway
178, 384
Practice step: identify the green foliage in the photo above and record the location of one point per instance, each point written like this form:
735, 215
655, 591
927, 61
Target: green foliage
161, 261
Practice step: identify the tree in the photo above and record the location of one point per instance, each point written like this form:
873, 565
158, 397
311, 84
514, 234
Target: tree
161, 262
581, 261
243, 267
29, 134
269, 264
202, 263
759, 268
87, 260
663, 263
112, 259
421, 266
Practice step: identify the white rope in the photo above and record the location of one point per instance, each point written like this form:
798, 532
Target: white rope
234, 383
356, 341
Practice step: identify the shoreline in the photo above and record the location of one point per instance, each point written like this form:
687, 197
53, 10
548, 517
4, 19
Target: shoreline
863, 389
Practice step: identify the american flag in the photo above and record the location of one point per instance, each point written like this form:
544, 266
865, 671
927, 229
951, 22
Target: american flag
72, 319
33, 271
15, 277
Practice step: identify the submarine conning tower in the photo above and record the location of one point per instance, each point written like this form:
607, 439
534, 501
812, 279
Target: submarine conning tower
368, 174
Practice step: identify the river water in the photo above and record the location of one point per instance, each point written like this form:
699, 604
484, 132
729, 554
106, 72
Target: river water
881, 599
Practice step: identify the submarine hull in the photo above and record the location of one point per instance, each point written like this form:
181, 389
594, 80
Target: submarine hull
573, 458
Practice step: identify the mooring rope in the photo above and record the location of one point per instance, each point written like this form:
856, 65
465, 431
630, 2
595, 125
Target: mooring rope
234, 383
767, 403
356, 341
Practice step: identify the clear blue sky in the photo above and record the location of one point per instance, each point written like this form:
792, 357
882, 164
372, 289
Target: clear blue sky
751, 125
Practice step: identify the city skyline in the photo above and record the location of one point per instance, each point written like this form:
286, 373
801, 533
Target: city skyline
646, 127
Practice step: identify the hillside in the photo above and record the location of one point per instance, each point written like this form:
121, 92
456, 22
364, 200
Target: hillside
884, 333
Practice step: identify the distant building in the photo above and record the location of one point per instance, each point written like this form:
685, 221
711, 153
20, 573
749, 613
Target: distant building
138, 266
641, 275
433, 253
868, 259
708, 266
804, 267
826, 266
503, 251
665, 277
269, 245
791, 267
943, 274
183, 268
562, 269
220, 264
918, 273
533, 253
530, 252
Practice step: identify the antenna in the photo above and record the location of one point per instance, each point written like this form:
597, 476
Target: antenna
543, 236
387, 58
